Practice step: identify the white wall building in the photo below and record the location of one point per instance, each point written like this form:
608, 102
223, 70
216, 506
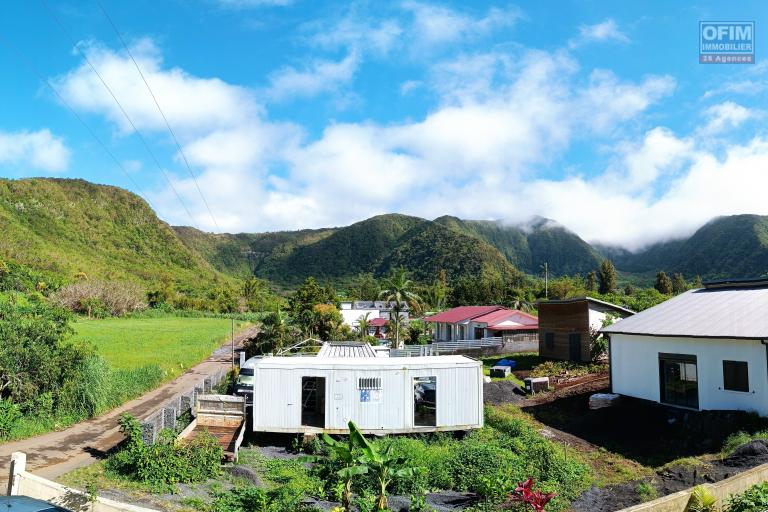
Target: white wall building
382, 395
352, 311
704, 349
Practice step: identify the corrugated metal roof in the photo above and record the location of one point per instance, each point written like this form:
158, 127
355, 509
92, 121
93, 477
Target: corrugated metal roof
378, 322
461, 313
364, 362
345, 350
737, 312
496, 317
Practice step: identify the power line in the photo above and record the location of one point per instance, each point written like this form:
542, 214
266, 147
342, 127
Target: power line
27, 63
127, 117
157, 104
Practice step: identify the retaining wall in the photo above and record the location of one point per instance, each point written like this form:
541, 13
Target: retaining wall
723, 489
167, 415
22, 483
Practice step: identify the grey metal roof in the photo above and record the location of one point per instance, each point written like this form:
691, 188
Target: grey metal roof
346, 350
592, 300
730, 312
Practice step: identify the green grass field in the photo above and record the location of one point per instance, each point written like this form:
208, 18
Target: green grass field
175, 344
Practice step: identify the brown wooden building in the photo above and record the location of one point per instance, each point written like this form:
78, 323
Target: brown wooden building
565, 326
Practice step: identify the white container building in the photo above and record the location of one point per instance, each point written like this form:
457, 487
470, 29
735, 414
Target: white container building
382, 395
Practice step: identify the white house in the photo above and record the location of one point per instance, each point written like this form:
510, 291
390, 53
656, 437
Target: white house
382, 395
351, 311
705, 349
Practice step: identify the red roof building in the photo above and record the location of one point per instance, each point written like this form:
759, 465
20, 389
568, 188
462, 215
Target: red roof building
477, 322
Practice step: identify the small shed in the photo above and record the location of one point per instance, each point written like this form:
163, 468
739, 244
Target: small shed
382, 395
565, 326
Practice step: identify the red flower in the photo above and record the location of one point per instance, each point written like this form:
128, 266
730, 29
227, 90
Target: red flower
524, 493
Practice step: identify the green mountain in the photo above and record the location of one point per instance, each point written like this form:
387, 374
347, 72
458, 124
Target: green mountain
71, 226
376, 245
66, 227
529, 246
732, 246
241, 254
430, 247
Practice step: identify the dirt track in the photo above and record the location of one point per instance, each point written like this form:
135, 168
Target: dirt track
53, 454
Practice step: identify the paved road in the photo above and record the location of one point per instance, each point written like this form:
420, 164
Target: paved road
53, 454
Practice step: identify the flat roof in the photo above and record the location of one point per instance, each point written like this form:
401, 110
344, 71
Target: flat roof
721, 312
593, 300
368, 363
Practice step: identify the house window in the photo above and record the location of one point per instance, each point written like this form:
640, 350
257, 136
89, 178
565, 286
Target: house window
678, 380
369, 383
736, 376
549, 340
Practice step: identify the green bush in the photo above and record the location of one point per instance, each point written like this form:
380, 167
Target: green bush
754, 499
167, 462
9, 417
476, 460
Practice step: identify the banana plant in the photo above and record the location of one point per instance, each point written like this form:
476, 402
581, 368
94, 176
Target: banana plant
382, 463
351, 462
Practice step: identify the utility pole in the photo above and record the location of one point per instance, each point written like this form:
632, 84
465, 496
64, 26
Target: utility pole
233, 347
546, 280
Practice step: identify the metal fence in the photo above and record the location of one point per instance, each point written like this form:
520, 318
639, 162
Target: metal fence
447, 347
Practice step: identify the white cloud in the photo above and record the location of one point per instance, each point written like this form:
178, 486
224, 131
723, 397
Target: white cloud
40, 150
607, 30
640, 165
318, 77
478, 154
191, 103
437, 25
358, 33
607, 100
708, 186
724, 116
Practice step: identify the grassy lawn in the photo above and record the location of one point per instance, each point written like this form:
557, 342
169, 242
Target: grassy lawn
175, 344
525, 361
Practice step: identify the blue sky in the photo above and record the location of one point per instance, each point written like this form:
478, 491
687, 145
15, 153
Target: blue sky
297, 114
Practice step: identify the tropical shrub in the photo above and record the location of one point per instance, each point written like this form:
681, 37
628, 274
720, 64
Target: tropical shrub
167, 462
9, 416
754, 499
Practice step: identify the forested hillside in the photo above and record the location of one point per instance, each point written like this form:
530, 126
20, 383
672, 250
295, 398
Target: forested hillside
71, 227
733, 246
528, 247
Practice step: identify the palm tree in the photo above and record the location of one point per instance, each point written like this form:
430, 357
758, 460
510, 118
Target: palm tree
398, 289
363, 324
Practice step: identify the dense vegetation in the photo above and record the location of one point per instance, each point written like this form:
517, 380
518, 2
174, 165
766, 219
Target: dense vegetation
57, 368
529, 247
734, 246
489, 462
165, 463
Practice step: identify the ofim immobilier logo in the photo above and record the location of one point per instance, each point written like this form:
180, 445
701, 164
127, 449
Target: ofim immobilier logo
727, 42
